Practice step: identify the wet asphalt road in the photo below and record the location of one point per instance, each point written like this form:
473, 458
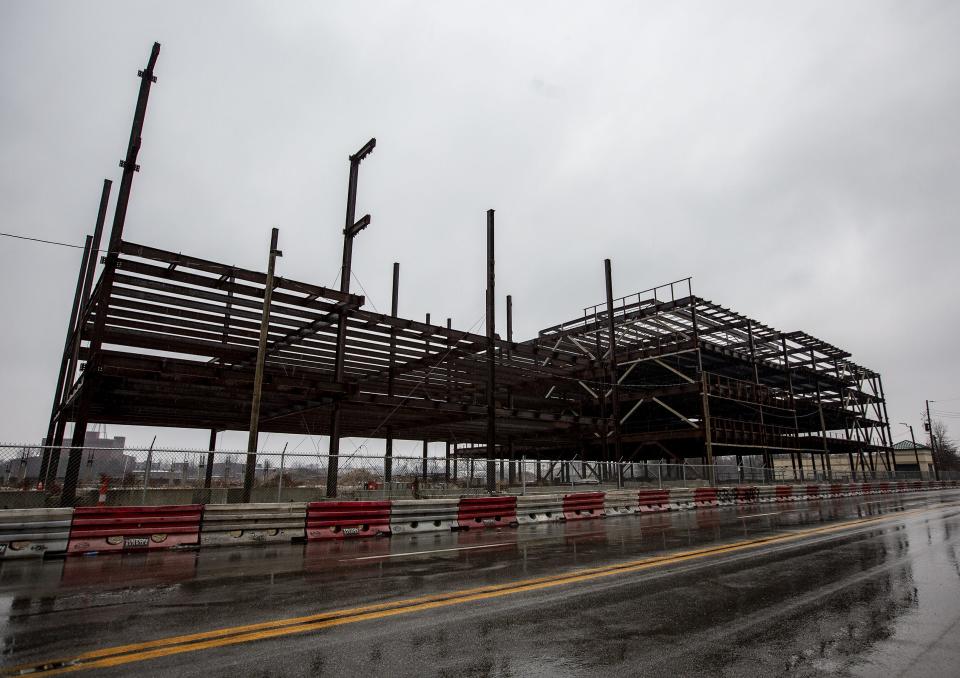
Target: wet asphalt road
879, 598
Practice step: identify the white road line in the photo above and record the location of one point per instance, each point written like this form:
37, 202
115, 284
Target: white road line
759, 515
420, 553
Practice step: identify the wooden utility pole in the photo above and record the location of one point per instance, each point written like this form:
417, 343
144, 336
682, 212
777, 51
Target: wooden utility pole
933, 443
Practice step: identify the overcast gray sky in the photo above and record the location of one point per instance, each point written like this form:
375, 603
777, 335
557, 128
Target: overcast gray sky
800, 161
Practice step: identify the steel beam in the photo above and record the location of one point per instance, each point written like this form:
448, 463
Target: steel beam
252, 439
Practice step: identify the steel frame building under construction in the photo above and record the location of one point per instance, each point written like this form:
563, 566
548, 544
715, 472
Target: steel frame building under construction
166, 339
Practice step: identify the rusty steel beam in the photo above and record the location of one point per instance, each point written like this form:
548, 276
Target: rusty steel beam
130, 166
491, 357
254, 433
350, 230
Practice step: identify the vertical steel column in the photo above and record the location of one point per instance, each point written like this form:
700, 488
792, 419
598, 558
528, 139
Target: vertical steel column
602, 401
71, 349
825, 458
446, 467
426, 378
512, 473
129, 165
208, 472
891, 457
251, 466
72, 329
84, 310
837, 374
391, 372
825, 455
350, 230
707, 433
491, 359
614, 378
793, 404
704, 391
767, 459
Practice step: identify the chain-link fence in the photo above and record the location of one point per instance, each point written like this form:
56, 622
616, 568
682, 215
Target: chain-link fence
143, 476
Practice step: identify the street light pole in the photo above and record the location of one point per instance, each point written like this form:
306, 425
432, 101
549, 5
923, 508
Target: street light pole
915, 453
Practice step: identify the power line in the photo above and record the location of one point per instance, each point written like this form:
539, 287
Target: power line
45, 242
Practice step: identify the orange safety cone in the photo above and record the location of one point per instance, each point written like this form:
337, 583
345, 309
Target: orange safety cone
102, 501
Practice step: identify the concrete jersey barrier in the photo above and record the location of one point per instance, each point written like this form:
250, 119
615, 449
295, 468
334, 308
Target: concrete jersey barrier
34, 532
31, 533
653, 500
583, 505
412, 516
766, 494
539, 508
704, 496
227, 524
681, 498
621, 503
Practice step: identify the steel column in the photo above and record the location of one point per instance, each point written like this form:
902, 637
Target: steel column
351, 228
252, 439
50, 453
614, 380
129, 165
491, 359
208, 472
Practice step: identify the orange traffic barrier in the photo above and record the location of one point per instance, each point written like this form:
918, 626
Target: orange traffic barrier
133, 528
347, 519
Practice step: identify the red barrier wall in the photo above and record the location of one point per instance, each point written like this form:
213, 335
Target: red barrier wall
347, 519
133, 528
475, 512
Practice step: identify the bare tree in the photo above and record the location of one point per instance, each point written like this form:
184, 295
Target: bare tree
946, 449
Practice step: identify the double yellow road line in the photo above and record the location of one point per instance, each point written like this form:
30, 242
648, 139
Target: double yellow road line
164, 647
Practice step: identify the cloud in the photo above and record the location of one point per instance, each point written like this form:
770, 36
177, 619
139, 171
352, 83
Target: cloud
799, 161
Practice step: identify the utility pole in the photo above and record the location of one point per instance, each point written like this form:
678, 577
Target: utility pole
933, 443
915, 453
250, 469
350, 230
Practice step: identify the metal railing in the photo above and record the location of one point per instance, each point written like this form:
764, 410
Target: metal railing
139, 475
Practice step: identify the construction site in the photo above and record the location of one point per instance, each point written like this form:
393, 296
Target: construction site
162, 339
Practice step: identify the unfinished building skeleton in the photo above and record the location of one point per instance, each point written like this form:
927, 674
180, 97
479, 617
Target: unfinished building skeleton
166, 339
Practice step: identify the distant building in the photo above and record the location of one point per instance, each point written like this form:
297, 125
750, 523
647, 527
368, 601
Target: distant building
100, 456
905, 460
904, 463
